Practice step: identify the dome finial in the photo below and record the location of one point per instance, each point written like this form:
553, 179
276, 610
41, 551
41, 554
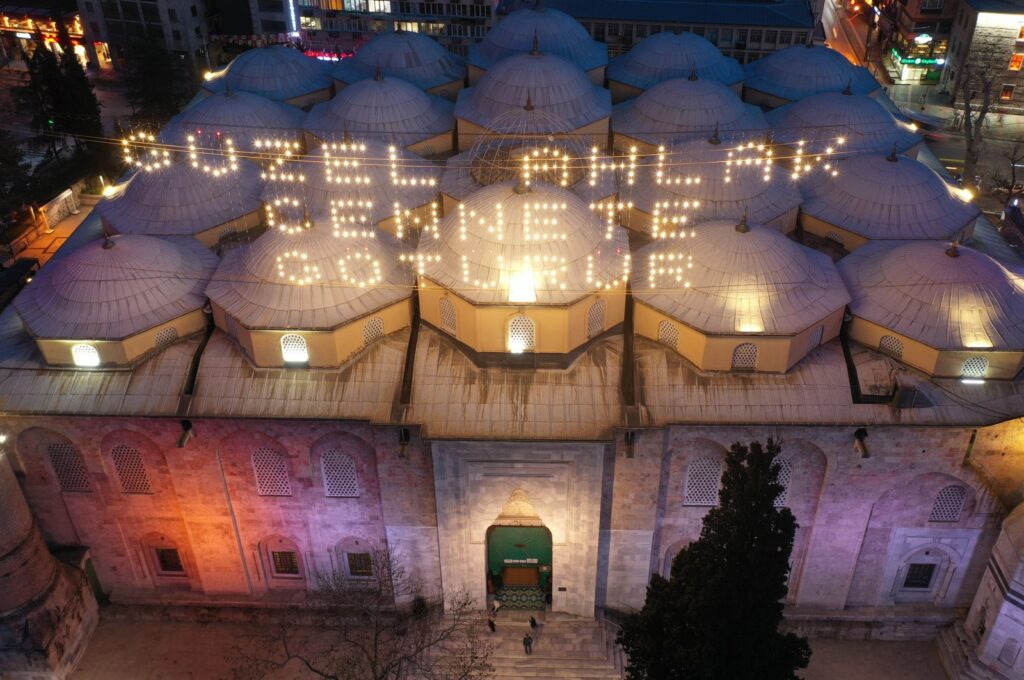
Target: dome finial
306, 222
536, 44
713, 139
227, 88
108, 242
345, 136
529, 102
742, 226
378, 74
848, 90
892, 155
693, 71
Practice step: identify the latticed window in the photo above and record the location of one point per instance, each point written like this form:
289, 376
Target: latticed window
815, 338
595, 319
294, 349
69, 467
449, 318
340, 479
130, 469
703, 479
285, 562
85, 355
166, 336
948, 504
522, 334
359, 564
168, 561
891, 346
785, 478
919, 576
974, 367
744, 357
271, 470
668, 334
373, 330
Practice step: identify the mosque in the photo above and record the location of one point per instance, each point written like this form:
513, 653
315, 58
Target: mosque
504, 316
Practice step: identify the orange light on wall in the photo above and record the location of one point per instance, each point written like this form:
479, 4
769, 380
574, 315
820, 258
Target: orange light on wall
1016, 61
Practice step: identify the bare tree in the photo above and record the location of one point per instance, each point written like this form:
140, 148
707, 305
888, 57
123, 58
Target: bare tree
1010, 181
375, 628
978, 87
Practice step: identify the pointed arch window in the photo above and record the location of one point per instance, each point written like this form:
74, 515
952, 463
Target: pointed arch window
949, 504
69, 468
131, 471
595, 319
522, 334
271, 472
294, 349
744, 357
703, 481
340, 477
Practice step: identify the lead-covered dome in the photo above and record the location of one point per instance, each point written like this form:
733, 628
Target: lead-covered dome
687, 108
887, 197
506, 244
729, 278
117, 287
667, 55
279, 73
557, 32
413, 57
240, 116
799, 71
846, 123
918, 290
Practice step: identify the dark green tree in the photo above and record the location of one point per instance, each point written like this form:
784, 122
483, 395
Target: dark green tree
717, 617
159, 83
41, 91
76, 109
14, 175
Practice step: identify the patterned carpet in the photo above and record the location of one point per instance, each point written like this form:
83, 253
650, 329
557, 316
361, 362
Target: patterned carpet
521, 597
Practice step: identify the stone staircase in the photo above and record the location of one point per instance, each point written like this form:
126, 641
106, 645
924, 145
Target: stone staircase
957, 656
564, 647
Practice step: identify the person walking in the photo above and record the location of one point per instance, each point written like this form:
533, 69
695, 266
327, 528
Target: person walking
491, 624
528, 644
495, 606
533, 625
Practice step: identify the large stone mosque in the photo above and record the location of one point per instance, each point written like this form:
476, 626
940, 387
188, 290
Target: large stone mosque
504, 317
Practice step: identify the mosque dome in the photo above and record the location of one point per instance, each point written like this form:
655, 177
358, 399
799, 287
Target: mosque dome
887, 197
279, 73
802, 70
536, 81
918, 290
240, 116
687, 107
385, 108
742, 280
862, 123
180, 200
115, 288
309, 279
704, 181
667, 55
509, 245
413, 57
557, 32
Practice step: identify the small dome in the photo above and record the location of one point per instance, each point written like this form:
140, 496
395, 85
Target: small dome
279, 73
545, 82
755, 281
115, 289
309, 280
861, 122
887, 197
722, 188
413, 57
239, 116
388, 109
555, 31
949, 303
668, 55
543, 245
179, 200
684, 108
802, 70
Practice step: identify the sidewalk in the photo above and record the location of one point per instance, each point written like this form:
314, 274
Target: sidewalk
44, 247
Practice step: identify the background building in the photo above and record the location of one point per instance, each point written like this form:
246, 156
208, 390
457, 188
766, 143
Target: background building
989, 36
180, 26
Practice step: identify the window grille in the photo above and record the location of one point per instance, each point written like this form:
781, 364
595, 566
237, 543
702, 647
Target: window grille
294, 349
166, 337
668, 334
948, 504
974, 367
891, 346
130, 469
1008, 654
815, 338
785, 478
703, 480
271, 470
595, 319
744, 357
919, 576
449, 319
359, 564
340, 479
168, 561
373, 330
285, 562
522, 334
69, 467
835, 237
85, 355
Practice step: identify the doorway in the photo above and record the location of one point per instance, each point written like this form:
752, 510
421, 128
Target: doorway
519, 566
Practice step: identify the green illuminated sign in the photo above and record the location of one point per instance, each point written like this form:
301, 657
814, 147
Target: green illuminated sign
917, 61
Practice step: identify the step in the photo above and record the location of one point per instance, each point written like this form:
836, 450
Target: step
958, 658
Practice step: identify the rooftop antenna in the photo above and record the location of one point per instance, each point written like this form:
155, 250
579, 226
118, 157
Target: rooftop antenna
892, 155
713, 139
693, 71
529, 102
536, 44
848, 90
742, 226
378, 74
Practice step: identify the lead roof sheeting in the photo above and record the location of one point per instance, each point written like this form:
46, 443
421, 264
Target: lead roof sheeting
799, 71
277, 72
240, 116
411, 56
557, 33
667, 55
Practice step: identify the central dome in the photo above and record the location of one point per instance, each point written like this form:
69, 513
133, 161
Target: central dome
240, 116
413, 57
667, 55
279, 73
557, 32
799, 71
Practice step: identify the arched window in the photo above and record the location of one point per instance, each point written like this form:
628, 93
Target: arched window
703, 480
785, 478
373, 330
165, 558
355, 558
271, 471
293, 349
974, 367
744, 357
340, 478
85, 356
166, 336
668, 334
948, 504
522, 334
69, 467
130, 469
595, 319
449, 318
891, 345
815, 339
284, 562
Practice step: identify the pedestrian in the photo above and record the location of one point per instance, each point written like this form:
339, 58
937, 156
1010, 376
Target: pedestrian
495, 606
528, 643
491, 624
533, 625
